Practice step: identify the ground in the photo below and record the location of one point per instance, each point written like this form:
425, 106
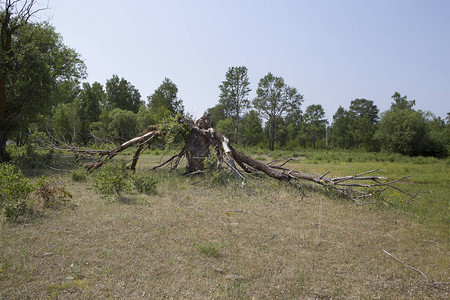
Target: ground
198, 241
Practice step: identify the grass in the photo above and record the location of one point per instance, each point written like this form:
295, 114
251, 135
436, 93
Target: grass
228, 242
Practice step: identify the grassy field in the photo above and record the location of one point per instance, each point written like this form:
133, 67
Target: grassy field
260, 241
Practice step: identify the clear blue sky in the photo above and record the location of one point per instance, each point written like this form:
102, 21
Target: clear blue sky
331, 51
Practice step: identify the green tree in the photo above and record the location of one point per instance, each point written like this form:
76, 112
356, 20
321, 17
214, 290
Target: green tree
406, 131
216, 113
363, 115
166, 96
122, 94
341, 130
274, 100
89, 109
233, 95
315, 123
252, 132
66, 122
33, 64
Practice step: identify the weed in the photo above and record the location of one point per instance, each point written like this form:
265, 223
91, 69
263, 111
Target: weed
50, 194
210, 249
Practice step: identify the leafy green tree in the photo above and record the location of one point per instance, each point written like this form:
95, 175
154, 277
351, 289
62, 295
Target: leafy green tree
407, 131
226, 127
66, 122
274, 100
146, 117
122, 94
233, 95
216, 113
89, 109
363, 116
166, 96
252, 132
341, 129
315, 123
34, 63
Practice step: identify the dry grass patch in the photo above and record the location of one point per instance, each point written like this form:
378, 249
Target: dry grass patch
227, 242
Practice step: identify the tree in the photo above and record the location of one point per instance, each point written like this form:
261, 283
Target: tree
363, 116
315, 123
122, 94
166, 96
233, 95
341, 129
274, 100
89, 103
34, 63
405, 130
252, 132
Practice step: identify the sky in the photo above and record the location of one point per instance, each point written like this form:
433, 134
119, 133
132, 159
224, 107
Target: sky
332, 51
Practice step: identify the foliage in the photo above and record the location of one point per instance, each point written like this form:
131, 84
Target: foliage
274, 100
144, 183
78, 175
407, 131
252, 133
315, 123
233, 96
34, 65
175, 131
122, 94
226, 127
112, 179
14, 190
165, 96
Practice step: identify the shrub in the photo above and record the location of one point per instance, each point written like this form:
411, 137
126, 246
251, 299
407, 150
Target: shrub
50, 194
14, 189
144, 183
78, 175
112, 179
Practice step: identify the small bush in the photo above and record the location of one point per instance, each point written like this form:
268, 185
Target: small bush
78, 175
14, 190
112, 179
144, 183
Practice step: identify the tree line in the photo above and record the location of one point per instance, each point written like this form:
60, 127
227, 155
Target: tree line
42, 96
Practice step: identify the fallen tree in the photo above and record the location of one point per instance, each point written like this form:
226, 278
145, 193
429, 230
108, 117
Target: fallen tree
200, 136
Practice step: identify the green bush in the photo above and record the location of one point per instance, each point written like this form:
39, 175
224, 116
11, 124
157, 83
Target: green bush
14, 189
112, 179
144, 183
78, 175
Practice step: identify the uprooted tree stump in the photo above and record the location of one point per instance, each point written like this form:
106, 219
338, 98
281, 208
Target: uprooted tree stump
199, 136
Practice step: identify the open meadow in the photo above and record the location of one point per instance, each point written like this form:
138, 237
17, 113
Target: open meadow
193, 239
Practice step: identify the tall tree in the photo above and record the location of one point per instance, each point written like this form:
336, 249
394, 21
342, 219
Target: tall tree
363, 116
166, 96
341, 130
315, 123
122, 94
233, 95
274, 100
90, 99
33, 63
